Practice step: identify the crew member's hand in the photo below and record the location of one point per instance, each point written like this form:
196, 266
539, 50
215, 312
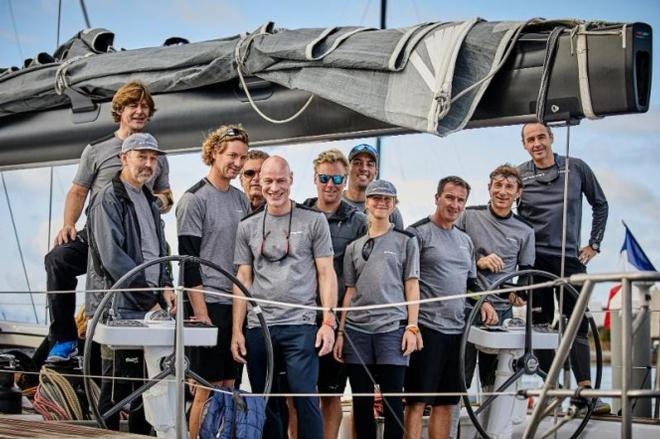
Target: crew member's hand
587, 254
516, 300
492, 262
488, 314
67, 233
170, 299
238, 350
411, 342
338, 350
325, 339
204, 318
165, 204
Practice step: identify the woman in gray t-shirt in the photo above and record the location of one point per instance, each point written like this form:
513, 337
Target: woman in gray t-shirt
380, 267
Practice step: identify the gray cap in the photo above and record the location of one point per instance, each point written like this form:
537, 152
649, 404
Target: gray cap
381, 187
141, 142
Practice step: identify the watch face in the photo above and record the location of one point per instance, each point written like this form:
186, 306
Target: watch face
595, 246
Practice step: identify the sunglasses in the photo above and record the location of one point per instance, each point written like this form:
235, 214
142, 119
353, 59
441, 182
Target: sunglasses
234, 132
367, 248
336, 179
265, 235
549, 175
249, 173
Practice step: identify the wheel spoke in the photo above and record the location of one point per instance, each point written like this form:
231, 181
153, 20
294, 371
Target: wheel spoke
505, 385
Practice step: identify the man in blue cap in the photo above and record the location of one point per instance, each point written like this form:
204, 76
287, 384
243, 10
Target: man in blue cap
363, 160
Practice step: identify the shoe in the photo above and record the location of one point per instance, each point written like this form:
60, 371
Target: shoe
62, 351
600, 407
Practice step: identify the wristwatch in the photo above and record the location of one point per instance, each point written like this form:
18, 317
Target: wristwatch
595, 246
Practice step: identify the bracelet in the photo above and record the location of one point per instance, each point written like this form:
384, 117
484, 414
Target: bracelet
330, 323
340, 331
413, 328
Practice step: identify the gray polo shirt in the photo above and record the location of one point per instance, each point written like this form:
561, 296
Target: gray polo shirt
148, 235
395, 217
100, 162
446, 263
393, 259
541, 205
213, 215
293, 279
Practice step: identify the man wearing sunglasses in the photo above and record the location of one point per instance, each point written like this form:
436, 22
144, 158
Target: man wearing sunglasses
346, 224
284, 253
542, 206
207, 218
250, 177
363, 160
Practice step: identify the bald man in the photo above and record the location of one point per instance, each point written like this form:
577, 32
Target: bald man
284, 253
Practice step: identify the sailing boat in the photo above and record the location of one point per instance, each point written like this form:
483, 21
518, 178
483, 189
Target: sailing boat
494, 103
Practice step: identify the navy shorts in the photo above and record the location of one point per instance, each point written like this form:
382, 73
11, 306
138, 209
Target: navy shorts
434, 369
215, 363
383, 348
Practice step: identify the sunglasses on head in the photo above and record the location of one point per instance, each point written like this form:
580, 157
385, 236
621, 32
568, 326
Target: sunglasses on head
234, 132
336, 179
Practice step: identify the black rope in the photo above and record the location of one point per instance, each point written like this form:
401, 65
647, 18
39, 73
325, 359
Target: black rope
550, 51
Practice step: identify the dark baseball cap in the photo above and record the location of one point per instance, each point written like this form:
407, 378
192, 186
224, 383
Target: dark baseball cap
363, 148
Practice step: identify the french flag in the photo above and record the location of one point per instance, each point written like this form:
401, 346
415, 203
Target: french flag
633, 258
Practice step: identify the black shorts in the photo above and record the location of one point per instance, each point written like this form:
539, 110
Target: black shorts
215, 363
332, 375
434, 369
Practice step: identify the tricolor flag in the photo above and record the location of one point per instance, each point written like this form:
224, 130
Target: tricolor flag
633, 258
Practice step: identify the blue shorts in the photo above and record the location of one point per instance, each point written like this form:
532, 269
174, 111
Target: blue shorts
383, 348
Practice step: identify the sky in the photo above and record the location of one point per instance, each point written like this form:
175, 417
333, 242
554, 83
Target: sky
623, 151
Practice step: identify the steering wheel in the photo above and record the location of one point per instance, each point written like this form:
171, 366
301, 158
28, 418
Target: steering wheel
100, 313
527, 363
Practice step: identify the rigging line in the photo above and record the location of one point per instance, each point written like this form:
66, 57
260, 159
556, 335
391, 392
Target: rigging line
50, 197
59, 23
84, 11
13, 23
364, 12
18, 243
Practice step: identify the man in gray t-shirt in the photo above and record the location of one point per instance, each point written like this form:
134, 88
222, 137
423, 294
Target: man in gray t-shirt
447, 268
363, 169
132, 107
284, 253
504, 243
207, 217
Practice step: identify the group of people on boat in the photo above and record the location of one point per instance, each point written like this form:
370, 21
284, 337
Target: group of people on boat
345, 247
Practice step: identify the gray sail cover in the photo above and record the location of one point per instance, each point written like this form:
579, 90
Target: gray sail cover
408, 77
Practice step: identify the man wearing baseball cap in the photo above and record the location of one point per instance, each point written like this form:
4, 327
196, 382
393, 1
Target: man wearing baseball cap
132, 109
125, 230
363, 161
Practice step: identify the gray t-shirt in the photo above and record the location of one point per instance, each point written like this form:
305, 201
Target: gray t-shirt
100, 162
395, 217
213, 215
508, 237
148, 234
393, 259
446, 263
293, 279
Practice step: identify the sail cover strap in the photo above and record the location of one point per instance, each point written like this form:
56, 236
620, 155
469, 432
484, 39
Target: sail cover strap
583, 72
